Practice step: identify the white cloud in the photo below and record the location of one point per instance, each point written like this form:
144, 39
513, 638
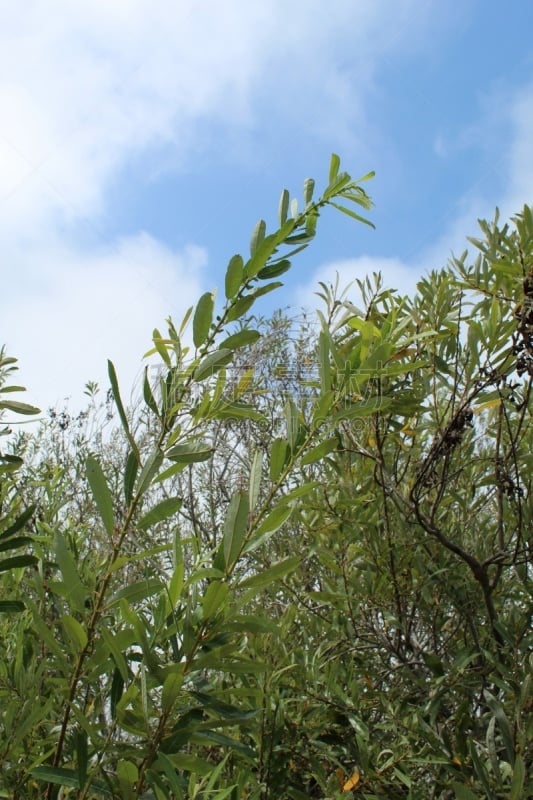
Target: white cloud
91, 85
91, 307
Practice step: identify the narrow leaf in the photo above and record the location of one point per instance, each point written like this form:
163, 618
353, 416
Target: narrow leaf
334, 165
19, 522
255, 478
235, 527
258, 234
234, 275
74, 631
166, 508
171, 690
212, 363
11, 606
353, 214
283, 210
309, 186
148, 395
272, 574
203, 317
130, 476
15, 562
19, 408
240, 339
189, 452
320, 451
278, 455
137, 591
215, 597
239, 411
120, 408
101, 493
274, 270
73, 584
240, 307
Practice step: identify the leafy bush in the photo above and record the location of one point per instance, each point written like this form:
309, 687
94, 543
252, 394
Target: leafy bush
284, 583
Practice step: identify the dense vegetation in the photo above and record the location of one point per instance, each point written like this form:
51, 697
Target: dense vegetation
299, 567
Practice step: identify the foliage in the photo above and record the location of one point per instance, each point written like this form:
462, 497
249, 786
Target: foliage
299, 568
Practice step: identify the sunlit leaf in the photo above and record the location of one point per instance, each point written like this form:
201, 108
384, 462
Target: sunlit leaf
234, 275
203, 317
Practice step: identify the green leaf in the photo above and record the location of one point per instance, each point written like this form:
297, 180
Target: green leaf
255, 478
19, 522
270, 287
11, 606
503, 724
278, 455
110, 641
171, 689
274, 270
269, 526
241, 339
275, 519
190, 452
283, 209
77, 592
127, 774
299, 491
239, 411
57, 775
148, 395
234, 276
19, 408
101, 493
212, 363
362, 409
15, 562
264, 252
223, 710
462, 792
166, 508
67, 777
159, 345
130, 476
137, 591
292, 422
353, 214
235, 527
75, 632
80, 741
258, 234
15, 542
519, 776
214, 597
120, 408
165, 764
309, 187
203, 317
272, 574
334, 165
240, 307
148, 472
320, 451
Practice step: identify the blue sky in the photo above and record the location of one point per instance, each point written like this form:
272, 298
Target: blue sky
140, 141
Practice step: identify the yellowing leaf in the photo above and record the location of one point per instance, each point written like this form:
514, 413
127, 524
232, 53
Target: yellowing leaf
489, 404
352, 782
